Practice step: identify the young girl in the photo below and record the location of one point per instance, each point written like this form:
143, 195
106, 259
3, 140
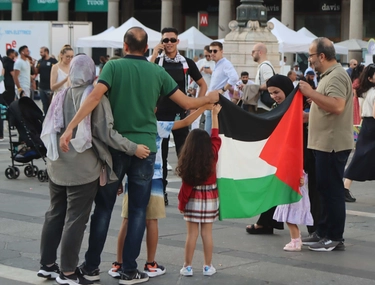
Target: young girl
295, 214
279, 87
198, 197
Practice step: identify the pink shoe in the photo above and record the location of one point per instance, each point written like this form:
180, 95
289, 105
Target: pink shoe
294, 245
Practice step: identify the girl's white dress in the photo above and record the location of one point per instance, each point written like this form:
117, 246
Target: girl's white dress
296, 213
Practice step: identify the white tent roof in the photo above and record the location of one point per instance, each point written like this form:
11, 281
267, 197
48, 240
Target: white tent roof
294, 42
195, 38
115, 37
94, 41
354, 44
306, 32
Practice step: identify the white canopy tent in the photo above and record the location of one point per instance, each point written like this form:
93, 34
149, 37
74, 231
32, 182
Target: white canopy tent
195, 38
354, 44
306, 32
115, 37
94, 41
291, 41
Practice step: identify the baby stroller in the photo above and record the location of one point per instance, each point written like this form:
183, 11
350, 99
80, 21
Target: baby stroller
27, 118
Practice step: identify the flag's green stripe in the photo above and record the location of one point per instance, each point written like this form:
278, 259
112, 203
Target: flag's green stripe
246, 198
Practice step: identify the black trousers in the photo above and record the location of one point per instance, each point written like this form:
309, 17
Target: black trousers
313, 191
179, 137
266, 220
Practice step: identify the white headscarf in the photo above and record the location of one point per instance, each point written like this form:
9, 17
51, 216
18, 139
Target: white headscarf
82, 73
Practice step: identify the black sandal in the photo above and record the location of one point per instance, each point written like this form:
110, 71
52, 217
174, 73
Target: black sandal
259, 231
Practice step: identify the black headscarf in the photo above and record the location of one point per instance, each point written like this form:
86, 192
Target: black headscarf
281, 81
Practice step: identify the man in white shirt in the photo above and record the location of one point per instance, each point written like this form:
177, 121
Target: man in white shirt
205, 66
264, 72
22, 72
223, 77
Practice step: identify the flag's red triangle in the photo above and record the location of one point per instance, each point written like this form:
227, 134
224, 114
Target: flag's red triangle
285, 152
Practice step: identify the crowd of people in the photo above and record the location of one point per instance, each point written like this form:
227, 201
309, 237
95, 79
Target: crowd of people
99, 130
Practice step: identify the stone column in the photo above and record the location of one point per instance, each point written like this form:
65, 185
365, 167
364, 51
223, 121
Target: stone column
356, 19
287, 13
225, 14
113, 13
17, 10
166, 14
63, 11
356, 26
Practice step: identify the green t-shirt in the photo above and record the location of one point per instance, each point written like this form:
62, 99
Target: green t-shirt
134, 87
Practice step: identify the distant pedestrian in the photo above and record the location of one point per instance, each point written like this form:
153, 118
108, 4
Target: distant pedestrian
198, 197
60, 71
44, 68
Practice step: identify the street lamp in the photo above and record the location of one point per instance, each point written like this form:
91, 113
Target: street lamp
251, 11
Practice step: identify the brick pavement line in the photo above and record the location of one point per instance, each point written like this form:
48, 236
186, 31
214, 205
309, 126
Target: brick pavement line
22, 275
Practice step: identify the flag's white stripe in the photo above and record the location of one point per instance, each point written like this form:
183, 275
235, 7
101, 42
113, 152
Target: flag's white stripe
240, 160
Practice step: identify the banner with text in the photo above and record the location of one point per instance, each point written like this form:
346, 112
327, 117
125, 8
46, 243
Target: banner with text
43, 5
5, 5
91, 6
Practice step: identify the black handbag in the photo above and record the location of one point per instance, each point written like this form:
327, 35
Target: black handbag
265, 96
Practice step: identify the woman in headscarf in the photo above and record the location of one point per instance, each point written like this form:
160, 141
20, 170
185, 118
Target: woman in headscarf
279, 87
74, 176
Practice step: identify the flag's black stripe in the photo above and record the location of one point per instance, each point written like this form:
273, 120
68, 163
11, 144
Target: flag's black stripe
238, 124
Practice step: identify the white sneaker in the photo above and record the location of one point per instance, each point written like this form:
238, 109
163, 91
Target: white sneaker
186, 271
169, 167
208, 270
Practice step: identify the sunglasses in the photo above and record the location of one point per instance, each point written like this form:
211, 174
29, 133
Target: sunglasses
167, 40
213, 50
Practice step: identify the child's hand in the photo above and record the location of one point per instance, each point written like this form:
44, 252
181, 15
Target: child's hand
181, 212
216, 109
301, 181
142, 151
120, 189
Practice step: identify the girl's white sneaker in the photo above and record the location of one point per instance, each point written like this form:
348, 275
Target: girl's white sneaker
294, 245
186, 271
208, 270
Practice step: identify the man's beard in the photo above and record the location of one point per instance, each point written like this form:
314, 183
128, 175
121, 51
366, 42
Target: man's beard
244, 81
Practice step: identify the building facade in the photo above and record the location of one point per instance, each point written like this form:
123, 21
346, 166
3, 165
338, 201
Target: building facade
336, 19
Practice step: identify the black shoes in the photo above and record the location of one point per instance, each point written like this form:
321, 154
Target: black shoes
349, 197
90, 275
250, 229
49, 273
133, 278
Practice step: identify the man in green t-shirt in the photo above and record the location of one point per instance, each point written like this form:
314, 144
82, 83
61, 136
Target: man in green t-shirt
134, 86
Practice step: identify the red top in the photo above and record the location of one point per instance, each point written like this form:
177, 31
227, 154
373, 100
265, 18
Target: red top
186, 189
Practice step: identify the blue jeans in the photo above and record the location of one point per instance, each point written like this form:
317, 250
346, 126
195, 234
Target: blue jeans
329, 183
208, 121
139, 172
45, 96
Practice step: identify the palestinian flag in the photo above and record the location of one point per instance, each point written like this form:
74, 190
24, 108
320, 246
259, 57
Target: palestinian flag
261, 157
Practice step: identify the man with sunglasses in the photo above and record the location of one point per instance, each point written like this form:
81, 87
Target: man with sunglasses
180, 69
330, 136
223, 78
205, 66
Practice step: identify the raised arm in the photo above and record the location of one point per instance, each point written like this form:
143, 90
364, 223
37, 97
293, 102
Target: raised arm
194, 103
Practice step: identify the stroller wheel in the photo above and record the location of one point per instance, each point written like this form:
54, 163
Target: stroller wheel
10, 173
17, 170
29, 171
41, 176
35, 172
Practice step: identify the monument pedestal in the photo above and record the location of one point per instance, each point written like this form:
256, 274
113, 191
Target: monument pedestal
239, 43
